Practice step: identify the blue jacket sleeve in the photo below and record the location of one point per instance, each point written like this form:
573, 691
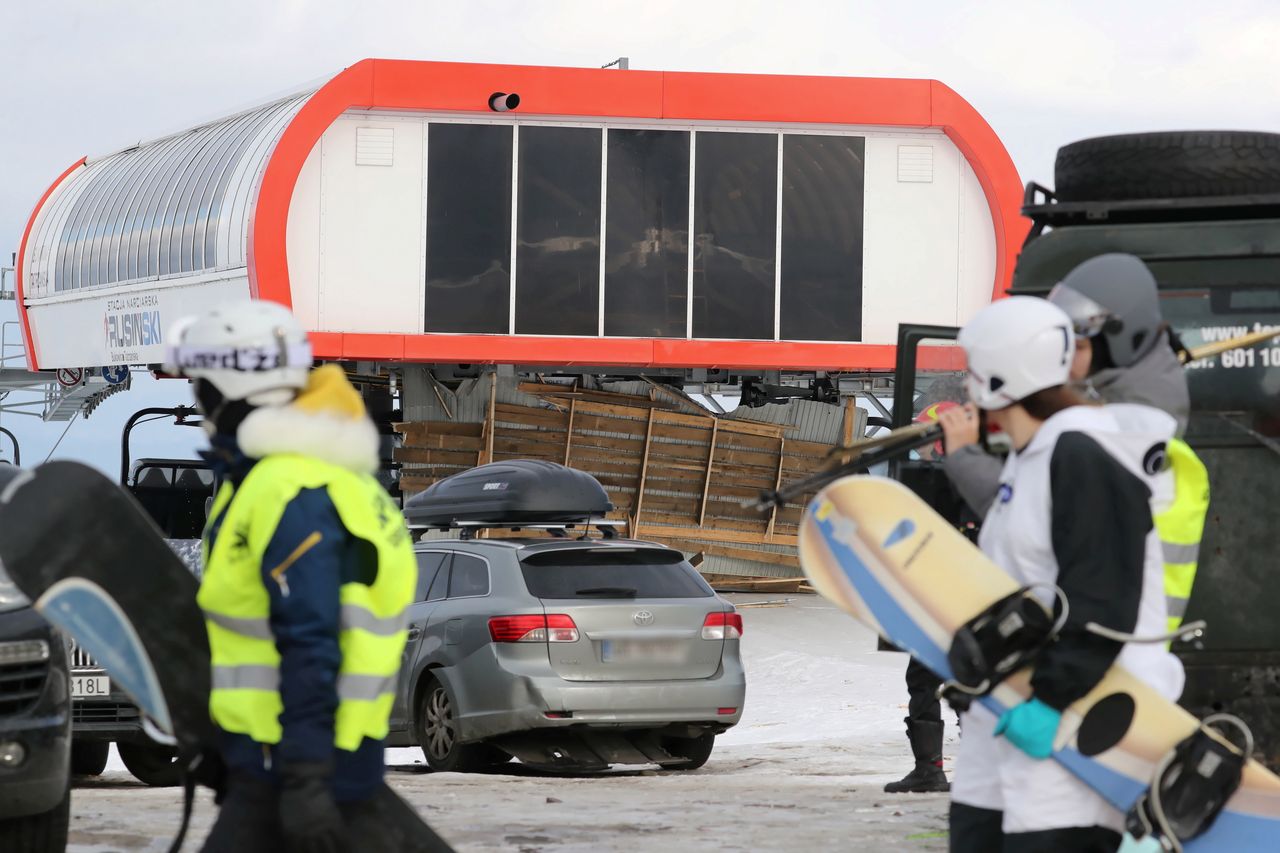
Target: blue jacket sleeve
302, 570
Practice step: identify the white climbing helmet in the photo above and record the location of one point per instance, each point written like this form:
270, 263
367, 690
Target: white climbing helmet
249, 350
1015, 347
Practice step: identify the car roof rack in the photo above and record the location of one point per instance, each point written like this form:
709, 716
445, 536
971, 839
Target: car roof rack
1042, 207
558, 529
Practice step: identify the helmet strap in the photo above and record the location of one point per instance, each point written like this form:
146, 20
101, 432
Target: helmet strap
225, 415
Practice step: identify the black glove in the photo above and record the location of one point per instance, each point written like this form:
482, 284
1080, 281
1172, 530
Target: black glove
309, 818
204, 765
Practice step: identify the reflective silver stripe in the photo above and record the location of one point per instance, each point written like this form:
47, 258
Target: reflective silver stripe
355, 616
258, 629
249, 676
1175, 553
366, 687
1177, 606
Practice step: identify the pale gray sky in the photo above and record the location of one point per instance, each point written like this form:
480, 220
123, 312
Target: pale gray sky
88, 76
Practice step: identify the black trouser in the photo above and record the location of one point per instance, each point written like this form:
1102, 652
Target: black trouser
384, 823
923, 704
975, 830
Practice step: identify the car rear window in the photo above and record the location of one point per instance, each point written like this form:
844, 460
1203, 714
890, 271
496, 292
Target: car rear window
612, 573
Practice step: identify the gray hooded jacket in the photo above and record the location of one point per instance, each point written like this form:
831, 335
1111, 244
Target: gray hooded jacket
1157, 379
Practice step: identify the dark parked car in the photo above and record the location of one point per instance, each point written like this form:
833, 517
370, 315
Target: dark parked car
173, 491
35, 727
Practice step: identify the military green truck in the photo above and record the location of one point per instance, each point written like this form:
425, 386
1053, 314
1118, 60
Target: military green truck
1202, 209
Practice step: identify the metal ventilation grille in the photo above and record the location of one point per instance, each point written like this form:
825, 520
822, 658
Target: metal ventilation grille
80, 659
20, 686
375, 146
915, 164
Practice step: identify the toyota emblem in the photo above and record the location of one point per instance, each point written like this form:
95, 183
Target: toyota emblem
642, 617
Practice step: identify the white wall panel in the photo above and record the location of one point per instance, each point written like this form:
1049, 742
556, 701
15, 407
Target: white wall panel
370, 231
911, 240
302, 239
977, 247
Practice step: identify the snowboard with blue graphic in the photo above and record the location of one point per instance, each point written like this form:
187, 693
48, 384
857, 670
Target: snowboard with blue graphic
95, 565
874, 548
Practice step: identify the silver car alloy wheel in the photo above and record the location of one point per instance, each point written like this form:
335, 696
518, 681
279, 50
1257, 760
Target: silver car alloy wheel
439, 727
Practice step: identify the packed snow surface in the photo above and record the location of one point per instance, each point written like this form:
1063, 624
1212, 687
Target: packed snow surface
821, 734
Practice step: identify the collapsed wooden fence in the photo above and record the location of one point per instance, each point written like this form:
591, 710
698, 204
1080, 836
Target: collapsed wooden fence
674, 476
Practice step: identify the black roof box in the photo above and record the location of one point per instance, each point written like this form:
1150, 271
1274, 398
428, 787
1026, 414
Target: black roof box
522, 491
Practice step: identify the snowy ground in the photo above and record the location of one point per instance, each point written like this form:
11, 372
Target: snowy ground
821, 734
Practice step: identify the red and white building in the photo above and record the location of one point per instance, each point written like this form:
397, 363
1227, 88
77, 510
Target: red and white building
637, 220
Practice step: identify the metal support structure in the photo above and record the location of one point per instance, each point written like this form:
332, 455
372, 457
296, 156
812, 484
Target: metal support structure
644, 472
180, 414
568, 432
706, 483
777, 484
17, 452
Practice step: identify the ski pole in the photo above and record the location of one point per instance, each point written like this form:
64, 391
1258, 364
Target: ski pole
854, 458
1218, 347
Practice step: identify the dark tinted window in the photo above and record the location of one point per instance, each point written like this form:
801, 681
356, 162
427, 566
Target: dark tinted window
558, 232
612, 573
822, 238
470, 576
468, 228
440, 586
735, 205
646, 266
428, 566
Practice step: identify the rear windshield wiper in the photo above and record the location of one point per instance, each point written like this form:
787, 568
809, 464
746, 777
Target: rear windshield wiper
608, 592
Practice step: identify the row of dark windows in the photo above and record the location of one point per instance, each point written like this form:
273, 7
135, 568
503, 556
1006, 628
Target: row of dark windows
646, 250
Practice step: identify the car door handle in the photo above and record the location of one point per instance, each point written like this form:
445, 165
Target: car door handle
414, 632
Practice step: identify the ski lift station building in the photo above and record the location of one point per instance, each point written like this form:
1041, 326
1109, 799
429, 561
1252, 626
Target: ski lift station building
444, 214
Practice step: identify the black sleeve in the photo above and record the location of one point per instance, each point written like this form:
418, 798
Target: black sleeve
1101, 518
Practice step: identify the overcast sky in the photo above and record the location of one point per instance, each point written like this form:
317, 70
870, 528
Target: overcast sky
84, 77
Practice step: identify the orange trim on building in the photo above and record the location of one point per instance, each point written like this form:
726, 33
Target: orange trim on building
20, 272
621, 352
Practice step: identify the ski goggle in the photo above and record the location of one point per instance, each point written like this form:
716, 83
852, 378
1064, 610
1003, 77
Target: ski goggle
253, 359
1088, 318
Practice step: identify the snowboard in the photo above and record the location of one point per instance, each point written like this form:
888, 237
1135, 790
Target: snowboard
96, 567
872, 547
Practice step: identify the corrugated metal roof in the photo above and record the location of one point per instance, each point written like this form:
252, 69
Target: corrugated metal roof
177, 205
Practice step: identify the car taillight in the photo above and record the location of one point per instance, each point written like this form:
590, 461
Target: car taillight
560, 629
555, 628
722, 626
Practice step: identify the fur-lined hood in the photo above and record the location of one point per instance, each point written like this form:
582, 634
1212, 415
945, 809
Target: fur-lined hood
327, 421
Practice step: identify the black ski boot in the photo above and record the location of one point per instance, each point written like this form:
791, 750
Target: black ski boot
926, 746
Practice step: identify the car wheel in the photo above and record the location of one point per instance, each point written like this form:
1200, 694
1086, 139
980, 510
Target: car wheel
89, 757
38, 833
694, 751
438, 736
151, 763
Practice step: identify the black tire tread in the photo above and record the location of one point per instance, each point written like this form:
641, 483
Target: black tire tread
89, 757
465, 757
142, 760
1171, 164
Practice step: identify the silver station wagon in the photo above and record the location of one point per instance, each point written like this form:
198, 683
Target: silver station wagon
569, 654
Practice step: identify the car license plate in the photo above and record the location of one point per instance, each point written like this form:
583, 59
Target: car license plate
90, 686
642, 651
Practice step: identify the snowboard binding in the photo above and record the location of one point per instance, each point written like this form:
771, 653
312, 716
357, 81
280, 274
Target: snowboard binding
1007, 636
1191, 785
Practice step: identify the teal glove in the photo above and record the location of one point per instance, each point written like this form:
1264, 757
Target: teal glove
1030, 727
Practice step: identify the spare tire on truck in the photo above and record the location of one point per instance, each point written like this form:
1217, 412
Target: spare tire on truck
1171, 164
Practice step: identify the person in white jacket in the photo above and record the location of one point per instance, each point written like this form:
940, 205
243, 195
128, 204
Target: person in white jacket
1073, 509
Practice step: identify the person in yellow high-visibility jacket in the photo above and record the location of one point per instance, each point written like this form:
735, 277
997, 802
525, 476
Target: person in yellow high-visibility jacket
308, 571
1124, 354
